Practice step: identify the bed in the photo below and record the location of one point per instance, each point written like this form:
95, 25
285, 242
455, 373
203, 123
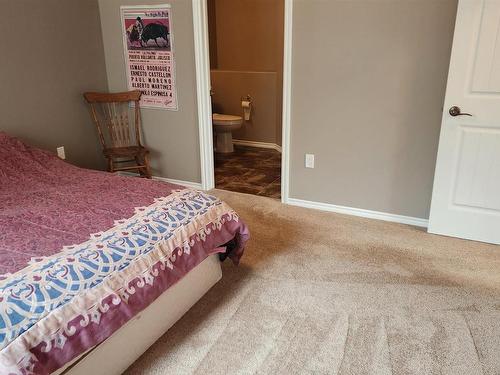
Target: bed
94, 267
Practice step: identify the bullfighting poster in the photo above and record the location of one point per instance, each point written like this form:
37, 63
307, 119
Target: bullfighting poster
149, 54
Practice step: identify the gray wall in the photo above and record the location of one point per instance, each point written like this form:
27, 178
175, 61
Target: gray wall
172, 136
368, 82
51, 52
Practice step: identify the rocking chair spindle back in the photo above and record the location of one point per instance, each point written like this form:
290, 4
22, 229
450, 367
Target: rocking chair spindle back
120, 130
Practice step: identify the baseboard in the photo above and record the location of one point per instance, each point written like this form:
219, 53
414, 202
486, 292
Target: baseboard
189, 184
360, 212
369, 214
242, 142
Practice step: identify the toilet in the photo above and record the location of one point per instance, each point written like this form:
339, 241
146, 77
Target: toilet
224, 126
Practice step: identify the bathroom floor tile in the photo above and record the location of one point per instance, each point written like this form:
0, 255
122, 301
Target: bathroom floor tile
249, 170
273, 190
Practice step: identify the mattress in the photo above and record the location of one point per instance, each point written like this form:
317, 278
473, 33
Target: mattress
82, 252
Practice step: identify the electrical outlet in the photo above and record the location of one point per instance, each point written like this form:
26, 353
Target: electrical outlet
61, 153
309, 160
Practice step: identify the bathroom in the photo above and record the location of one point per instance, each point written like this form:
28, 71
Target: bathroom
246, 63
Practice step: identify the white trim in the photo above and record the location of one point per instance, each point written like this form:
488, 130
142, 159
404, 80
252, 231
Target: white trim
202, 63
189, 184
360, 212
243, 142
287, 89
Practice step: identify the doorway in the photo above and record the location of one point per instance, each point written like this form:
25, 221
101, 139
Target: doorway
245, 147
246, 75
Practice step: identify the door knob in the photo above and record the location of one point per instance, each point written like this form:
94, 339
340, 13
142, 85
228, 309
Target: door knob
455, 111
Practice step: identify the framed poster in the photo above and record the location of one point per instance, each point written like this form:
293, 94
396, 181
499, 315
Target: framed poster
149, 54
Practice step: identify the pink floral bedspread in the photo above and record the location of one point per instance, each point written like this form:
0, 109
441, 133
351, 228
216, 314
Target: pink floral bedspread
81, 252
46, 203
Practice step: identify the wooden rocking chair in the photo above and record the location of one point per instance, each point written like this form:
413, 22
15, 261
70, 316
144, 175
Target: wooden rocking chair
120, 138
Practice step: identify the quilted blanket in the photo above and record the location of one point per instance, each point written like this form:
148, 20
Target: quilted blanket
82, 252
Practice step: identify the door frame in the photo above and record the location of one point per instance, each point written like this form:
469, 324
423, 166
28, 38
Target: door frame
202, 64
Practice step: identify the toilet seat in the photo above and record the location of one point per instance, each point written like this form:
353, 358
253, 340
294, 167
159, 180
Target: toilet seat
220, 119
224, 125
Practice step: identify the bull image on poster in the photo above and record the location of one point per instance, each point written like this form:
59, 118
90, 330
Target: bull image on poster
149, 54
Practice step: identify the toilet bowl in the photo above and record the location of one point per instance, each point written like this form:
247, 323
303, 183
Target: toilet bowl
224, 125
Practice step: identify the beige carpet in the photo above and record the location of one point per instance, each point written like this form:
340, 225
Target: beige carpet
325, 293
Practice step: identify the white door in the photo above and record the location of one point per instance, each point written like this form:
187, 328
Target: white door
466, 194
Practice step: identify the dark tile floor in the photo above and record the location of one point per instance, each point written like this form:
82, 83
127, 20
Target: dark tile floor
249, 170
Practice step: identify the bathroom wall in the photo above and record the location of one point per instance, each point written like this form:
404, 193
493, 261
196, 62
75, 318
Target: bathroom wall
212, 33
47, 63
172, 136
261, 86
368, 84
247, 36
